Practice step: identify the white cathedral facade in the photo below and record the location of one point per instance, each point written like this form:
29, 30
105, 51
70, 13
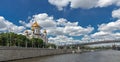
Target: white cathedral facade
36, 32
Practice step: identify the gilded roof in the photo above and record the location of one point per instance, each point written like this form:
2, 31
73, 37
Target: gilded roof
35, 24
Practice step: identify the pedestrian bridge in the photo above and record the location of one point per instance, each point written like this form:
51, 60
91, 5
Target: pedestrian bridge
95, 42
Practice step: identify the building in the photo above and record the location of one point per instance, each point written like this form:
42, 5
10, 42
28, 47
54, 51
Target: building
36, 32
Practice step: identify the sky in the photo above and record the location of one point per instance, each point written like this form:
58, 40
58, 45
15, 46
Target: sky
66, 21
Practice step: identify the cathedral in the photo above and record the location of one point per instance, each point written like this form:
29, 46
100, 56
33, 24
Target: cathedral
35, 32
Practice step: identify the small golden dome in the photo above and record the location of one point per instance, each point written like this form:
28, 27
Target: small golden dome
45, 31
35, 24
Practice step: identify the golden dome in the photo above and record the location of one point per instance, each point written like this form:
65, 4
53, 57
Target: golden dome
45, 31
35, 24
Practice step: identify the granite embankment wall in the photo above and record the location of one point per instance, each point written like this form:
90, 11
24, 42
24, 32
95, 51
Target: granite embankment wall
13, 53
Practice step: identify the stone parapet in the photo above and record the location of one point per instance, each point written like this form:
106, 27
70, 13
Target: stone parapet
13, 53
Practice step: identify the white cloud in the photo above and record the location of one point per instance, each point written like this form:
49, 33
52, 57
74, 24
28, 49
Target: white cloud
100, 34
61, 22
60, 26
116, 13
6, 25
105, 3
2, 23
86, 38
62, 40
111, 26
55, 31
77, 30
83, 3
118, 3
59, 3
86, 4
108, 31
43, 19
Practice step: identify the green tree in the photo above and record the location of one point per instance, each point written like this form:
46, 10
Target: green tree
51, 45
36, 42
12, 39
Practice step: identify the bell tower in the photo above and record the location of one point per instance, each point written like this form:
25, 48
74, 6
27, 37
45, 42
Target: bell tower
36, 29
45, 36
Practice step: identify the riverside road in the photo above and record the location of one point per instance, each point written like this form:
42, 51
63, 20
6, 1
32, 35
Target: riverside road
98, 56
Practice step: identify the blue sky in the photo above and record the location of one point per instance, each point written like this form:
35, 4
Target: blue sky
86, 19
20, 10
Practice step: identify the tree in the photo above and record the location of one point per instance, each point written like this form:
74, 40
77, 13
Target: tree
36, 42
51, 45
13, 39
3, 39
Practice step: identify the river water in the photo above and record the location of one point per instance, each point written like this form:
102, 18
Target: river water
98, 56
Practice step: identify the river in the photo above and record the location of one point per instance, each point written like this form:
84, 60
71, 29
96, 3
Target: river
98, 56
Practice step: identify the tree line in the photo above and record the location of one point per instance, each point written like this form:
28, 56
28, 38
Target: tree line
12, 39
